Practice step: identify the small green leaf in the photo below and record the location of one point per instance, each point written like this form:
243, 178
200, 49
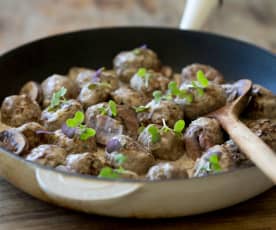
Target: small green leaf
154, 132
179, 126
173, 88
141, 108
202, 79
103, 110
113, 108
107, 172
120, 158
79, 117
71, 123
57, 98
142, 72
87, 133
199, 90
165, 128
214, 161
157, 96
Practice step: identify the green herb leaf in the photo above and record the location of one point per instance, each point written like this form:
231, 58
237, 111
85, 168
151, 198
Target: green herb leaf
202, 79
179, 126
154, 132
87, 133
165, 128
76, 120
199, 90
173, 88
141, 108
142, 72
214, 161
107, 172
157, 95
103, 110
57, 98
120, 158
113, 108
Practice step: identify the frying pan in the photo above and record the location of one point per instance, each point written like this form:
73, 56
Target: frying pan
133, 198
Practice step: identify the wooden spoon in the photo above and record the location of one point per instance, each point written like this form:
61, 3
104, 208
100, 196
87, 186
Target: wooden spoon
249, 143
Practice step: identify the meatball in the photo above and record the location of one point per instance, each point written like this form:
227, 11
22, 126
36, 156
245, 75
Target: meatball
75, 71
84, 163
202, 134
54, 83
169, 147
167, 110
127, 63
51, 155
74, 144
149, 81
138, 159
214, 98
107, 127
53, 120
265, 129
33, 90
262, 104
17, 110
34, 133
14, 141
166, 170
127, 96
189, 73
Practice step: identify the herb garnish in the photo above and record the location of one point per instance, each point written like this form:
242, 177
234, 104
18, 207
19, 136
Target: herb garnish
141, 108
175, 91
57, 99
157, 96
145, 75
201, 83
165, 128
179, 126
154, 132
111, 108
76, 123
214, 163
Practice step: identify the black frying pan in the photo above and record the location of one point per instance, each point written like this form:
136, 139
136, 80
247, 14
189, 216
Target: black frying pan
96, 48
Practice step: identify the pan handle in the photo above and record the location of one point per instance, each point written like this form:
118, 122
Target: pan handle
196, 12
69, 187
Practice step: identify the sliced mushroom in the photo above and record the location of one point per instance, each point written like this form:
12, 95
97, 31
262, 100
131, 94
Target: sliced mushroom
51, 155
213, 98
202, 134
53, 120
169, 147
138, 159
33, 90
127, 63
189, 73
17, 110
156, 112
54, 83
14, 141
166, 170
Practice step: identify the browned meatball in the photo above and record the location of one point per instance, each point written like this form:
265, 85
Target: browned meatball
262, 104
106, 126
169, 147
74, 144
214, 98
138, 159
84, 163
14, 141
126, 96
74, 72
51, 155
167, 110
202, 134
34, 134
127, 63
149, 82
265, 129
53, 120
189, 73
33, 90
166, 170
54, 83
17, 110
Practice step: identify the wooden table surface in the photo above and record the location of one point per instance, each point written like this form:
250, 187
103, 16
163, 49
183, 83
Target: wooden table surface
22, 21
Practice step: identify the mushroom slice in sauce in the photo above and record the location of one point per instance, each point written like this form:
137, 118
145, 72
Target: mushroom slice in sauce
33, 90
14, 141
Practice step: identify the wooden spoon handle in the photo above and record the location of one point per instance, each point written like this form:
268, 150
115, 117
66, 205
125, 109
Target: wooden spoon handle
251, 145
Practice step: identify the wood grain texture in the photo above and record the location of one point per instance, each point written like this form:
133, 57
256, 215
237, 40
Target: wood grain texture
250, 20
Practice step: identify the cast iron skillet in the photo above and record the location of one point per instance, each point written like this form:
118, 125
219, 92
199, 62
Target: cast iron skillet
96, 48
